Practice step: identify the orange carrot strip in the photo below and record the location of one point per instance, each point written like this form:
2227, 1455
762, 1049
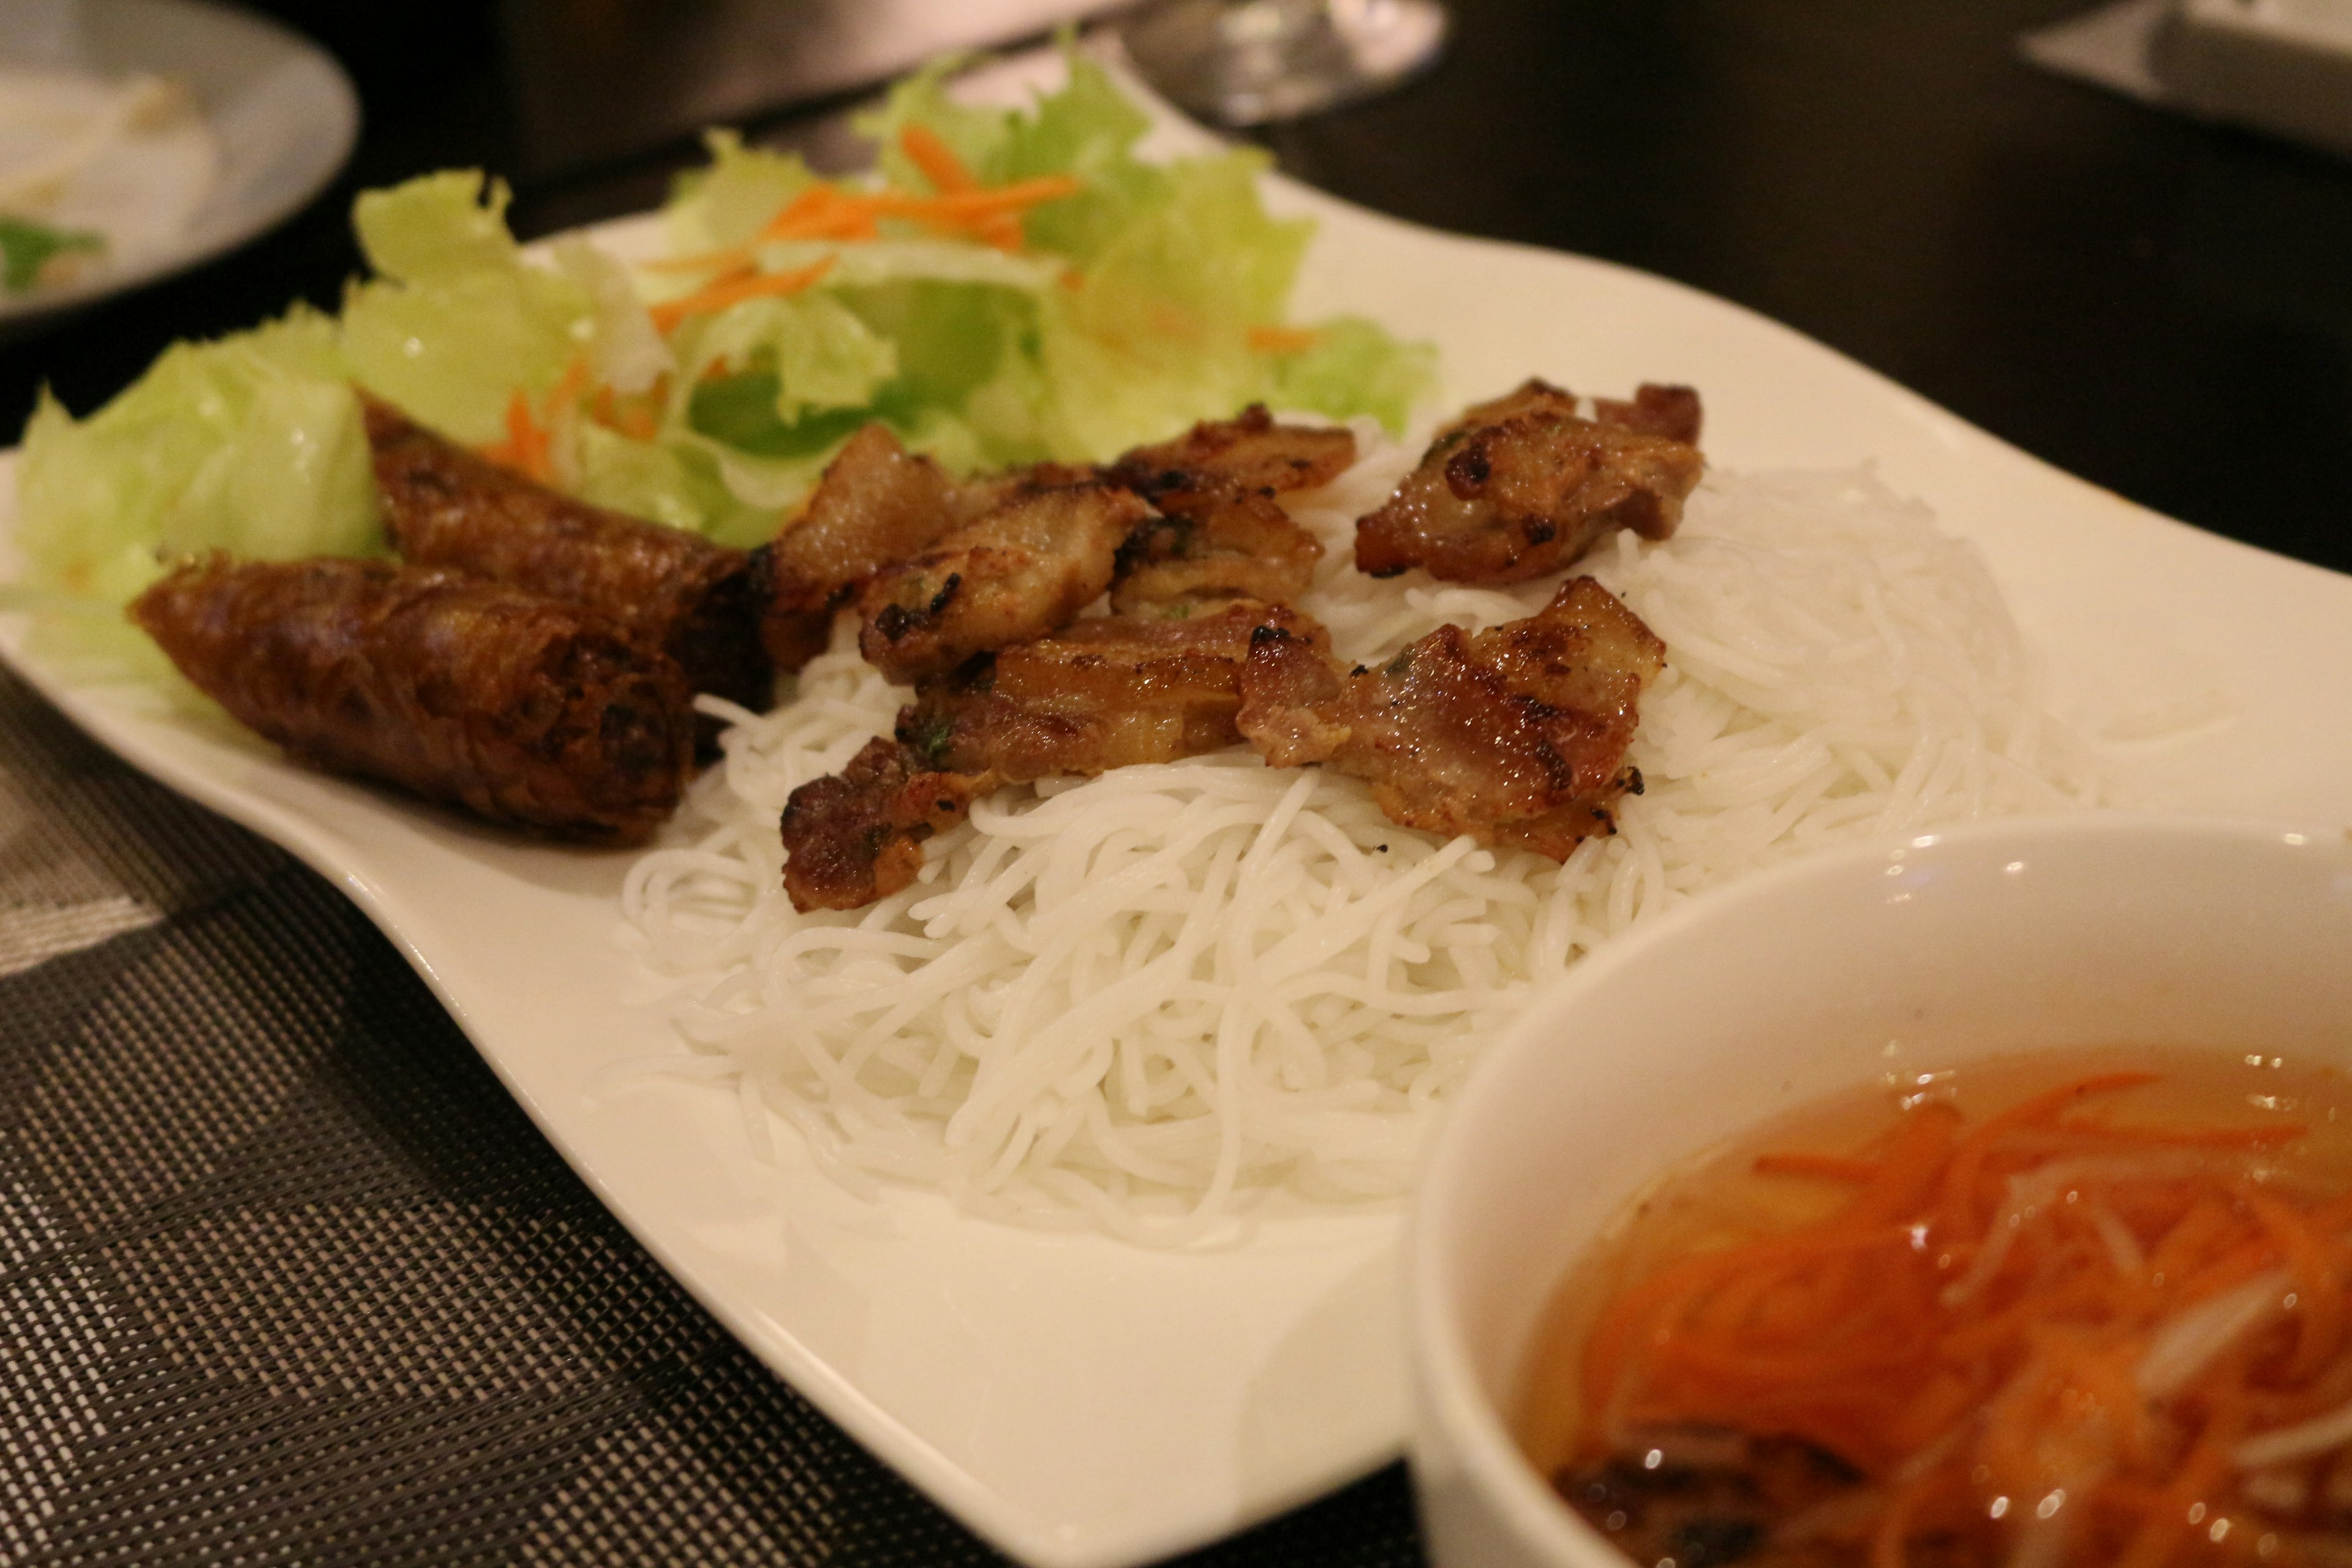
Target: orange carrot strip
1827, 1167
525, 450
2197, 1234
735, 291
2318, 1279
1638, 1316
1969, 1157
568, 386
1282, 340
1919, 1150
935, 159
1005, 198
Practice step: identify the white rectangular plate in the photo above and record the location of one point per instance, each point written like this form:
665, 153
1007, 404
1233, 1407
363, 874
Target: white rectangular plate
1081, 1402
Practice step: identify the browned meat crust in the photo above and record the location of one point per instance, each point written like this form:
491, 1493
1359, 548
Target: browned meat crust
700, 603
525, 710
1522, 485
1109, 693
1515, 735
858, 835
1672, 412
877, 503
1241, 545
1249, 453
1042, 552
1221, 534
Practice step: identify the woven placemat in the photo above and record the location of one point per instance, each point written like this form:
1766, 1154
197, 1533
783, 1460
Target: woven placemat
286, 1277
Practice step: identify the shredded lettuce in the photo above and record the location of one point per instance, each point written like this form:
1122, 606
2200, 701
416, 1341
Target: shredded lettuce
251, 445
725, 202
1119, 300
456, 321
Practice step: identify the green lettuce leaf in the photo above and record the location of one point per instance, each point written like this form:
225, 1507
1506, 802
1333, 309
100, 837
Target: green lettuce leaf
252, 444
727, 202
457, 319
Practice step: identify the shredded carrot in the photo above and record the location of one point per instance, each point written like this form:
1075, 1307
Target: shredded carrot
637, 416
958, 206
1978, 1413
568, 386
936, 160
826, 212
973, 205
526, 446
1827, 1167
1282, 340
736, 287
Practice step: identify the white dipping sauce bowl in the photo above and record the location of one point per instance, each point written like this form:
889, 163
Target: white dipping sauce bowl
1990, 938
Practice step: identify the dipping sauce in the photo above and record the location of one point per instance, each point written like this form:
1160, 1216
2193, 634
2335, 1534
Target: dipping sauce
2069, 1308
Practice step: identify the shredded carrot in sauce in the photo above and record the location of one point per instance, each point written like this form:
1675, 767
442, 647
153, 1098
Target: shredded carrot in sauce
2041, 1338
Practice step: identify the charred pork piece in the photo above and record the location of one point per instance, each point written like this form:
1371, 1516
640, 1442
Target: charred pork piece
1672, 412
1656, 410
698, 602
1711, 1509
877, 503
1042, 552
1523, 486
1249, 453
1240, 546
524, 709
1115, 692
858, 835
1515, 735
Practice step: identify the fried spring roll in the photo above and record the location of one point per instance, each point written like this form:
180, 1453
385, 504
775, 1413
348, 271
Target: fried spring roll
521, 708
700, 603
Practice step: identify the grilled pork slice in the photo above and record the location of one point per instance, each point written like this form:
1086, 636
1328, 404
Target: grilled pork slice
1043, 551
1249, 453
1241, 545
876, 504
1672, 412
1515, 735
1522, 485
1221, 534
1109, 693
858, 835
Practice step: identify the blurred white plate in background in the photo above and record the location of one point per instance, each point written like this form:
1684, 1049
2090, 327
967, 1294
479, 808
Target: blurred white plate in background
273, 120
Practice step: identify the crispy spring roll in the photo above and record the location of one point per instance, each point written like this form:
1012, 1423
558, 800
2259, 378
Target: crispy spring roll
700, 603
522, 708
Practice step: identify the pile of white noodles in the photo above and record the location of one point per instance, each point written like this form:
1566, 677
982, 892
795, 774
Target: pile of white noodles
1140, 1001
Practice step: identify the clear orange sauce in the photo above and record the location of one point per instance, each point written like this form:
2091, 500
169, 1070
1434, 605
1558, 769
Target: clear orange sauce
1978, 1318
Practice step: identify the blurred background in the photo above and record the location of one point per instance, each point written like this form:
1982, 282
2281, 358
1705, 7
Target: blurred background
2161, 305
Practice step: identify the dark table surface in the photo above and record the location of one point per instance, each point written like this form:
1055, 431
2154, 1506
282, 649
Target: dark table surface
2162, 307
